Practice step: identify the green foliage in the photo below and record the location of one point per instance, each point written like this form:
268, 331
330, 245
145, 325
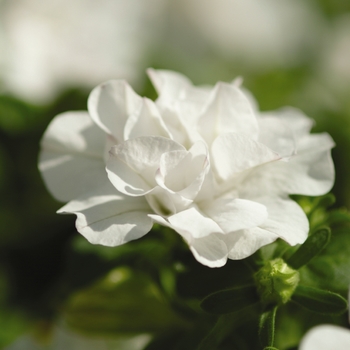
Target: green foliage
109, 306
320, 301
230, 300
312, 246
267, 328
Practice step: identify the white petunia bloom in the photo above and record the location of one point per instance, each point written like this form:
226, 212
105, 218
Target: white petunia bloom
203, 161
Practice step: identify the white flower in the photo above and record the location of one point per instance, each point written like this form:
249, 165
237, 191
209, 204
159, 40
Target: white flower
202, 161
326, 337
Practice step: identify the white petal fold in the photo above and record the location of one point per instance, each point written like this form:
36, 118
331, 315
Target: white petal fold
310, 172
110, 104
228, 110
147, 122
210, 250
235, 214
296, 120
183, 172
168, 84
244, 243
286, 219
71, 158
192, 223
109, 218
233, 153
277, 135
133, 164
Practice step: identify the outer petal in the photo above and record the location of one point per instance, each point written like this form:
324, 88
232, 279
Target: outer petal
228, 110
110, 104
133, 164
191, 223
326, 337
310, 172
148, 122
71, 159
244, 243
286, 219
109, 218
235, 214
233, 153
210, 250
277, 136
168, 84
296, 120
180, 104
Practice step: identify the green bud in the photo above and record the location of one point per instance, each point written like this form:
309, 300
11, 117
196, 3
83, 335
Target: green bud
276, 282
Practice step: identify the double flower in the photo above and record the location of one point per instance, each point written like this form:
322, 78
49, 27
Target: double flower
202, 161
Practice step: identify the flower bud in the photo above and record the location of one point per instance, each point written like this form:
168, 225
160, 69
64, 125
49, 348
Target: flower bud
276, 282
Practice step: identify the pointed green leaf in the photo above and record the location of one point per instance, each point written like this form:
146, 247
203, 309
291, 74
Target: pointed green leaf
311, 247
230, 300
267, 327
320, 301
270, 348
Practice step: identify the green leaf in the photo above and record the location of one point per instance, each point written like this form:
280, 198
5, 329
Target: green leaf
267, 327
320, 301
330, 269
230, 300
227, 325
123, 302
312, 247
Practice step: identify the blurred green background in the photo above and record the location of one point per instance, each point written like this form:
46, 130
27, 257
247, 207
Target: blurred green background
53, 53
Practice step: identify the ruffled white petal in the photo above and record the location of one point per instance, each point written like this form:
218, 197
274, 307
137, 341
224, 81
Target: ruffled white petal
228, 110
180, 104
244, 243
110, 104
71, 158
192, 223
210, 250
183, 172
233, 153
286, 219
109, 218
168, 84
133, 164
235, 214
277, 135
296, 120
147, 122
310, 172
